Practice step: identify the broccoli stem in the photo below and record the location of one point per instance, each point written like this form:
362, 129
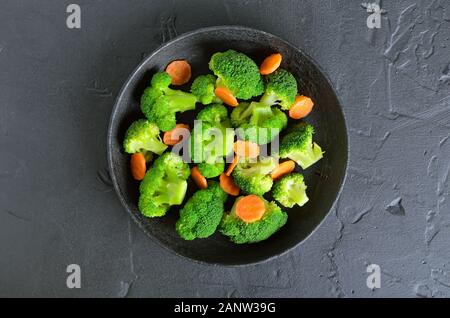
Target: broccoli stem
308, 157
181, 101
173, 193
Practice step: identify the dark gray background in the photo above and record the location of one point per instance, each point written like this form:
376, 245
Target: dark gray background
57, 207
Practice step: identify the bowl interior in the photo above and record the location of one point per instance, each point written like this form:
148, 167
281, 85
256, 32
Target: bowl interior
324, 180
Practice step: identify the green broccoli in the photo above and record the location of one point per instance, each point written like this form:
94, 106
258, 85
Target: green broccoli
298, 145
164, 185
241, 232
291, 190
212, 140
160, 104
143, 137
201, 215
237, 72
211, 170
281, 89
203, 88
254, 177
258, 123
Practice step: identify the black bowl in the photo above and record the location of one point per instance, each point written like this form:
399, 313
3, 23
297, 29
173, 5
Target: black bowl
324, 180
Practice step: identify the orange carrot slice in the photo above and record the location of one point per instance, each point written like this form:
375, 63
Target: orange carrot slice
246, 149
250, 208
175, 136
226, 96
302, 107
199, 179
283, 169
271, 64
232, 166
227, 184
138, 166
180, 71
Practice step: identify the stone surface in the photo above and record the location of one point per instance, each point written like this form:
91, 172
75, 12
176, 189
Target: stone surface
57, 207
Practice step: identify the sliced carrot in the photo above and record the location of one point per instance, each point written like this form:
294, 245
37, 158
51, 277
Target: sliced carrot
302, 107
271, 64
250, 208
227, 184
138, 166
180, 71
175, 136
199, 179
226, 96
246, 149
283, 169
232, 166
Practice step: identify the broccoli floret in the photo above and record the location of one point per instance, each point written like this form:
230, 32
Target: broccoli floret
254, 177
237, 72
241, 232
203, 88
202, 214
211, 170
291, 190
260, 122
281, 89
164, 185
143, 137
298, 145
211, 139
160, 104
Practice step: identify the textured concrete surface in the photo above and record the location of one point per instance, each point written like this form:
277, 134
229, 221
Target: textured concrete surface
57, 207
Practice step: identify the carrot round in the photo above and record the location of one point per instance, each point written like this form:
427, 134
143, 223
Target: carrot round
227, 184
175, 136
180, 71
271, 64
226, 96
302, 107
138, 166
246, 149
250, 208
232, 166
199, 179
283, 169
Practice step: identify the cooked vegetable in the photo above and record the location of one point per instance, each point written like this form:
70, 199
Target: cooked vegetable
261, 122
238, 73
226, 96
143, 137
180, 72
212, 140
250, 208
283, 169
246, 149
203, 88
227, 184
160, 104
202, 213
291, 190
138, 166
254, 177
176, 135
164, 185
302, 107
241, 232
198, 178
298, 145
271, 64
232, 166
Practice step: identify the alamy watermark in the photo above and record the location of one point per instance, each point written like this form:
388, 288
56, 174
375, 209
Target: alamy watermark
374, 19
374, 279
73, 280
73, 21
